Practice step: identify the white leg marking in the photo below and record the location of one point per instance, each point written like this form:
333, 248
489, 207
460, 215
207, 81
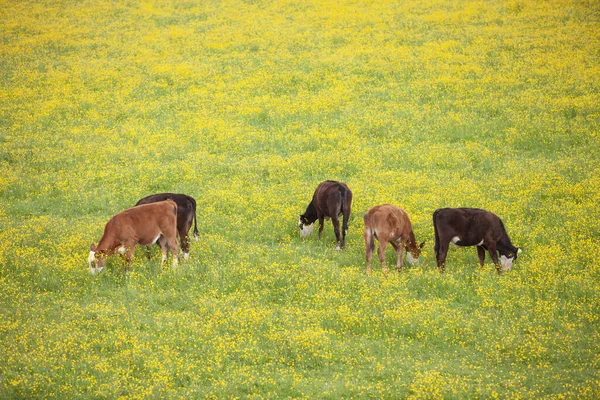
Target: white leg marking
121, 250
175, 262
455, 239
480, 243
186, 256
338, 248
155, 240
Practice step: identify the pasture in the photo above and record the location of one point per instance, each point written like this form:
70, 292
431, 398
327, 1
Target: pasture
247, 106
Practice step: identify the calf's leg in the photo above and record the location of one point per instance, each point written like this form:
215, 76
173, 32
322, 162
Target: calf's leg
381, 254
441, 254
481, 254
344, 231
494, 254
184, 238
321, 224
185, 243
336, 228
129, 251
174, 247
162, 242
399, 251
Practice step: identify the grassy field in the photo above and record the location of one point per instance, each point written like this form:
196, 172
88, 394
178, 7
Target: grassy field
247, 106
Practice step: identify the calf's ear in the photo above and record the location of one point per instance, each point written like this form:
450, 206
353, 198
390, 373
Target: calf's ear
519, 250
421, 245
93, 247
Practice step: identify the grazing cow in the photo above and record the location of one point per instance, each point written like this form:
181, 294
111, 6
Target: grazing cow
145, 224
390, 224
331, 199
472, 227
186, 212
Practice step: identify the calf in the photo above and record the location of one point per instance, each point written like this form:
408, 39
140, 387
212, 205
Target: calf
390, 224
144, 224
472, 227
331, 199
186, 212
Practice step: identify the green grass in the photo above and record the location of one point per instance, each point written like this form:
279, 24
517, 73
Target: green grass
247, 106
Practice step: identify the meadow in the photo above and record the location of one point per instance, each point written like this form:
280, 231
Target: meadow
247, 106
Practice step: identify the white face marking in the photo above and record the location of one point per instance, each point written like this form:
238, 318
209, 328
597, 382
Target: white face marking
411, 259
305, 230
91, 258
121, 250
91, 262
506, 263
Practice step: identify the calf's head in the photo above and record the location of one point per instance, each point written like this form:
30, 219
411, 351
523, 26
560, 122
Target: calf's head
305, 226
96, 260
507, 257
413, 252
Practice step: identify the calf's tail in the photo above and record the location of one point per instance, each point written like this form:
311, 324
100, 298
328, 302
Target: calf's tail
369, 233
346, 206
436, 247
195, 226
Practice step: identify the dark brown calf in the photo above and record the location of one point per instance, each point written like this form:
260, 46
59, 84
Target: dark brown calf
330, 200
186, 212
145, 224
390, 224
472, 227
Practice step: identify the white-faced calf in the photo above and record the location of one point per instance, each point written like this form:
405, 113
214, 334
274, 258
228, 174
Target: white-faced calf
330, 200
145, 224
390, 224
472, 227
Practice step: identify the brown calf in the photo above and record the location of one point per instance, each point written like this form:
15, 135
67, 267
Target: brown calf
390, 224
145, 224
330, 200
186, 213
